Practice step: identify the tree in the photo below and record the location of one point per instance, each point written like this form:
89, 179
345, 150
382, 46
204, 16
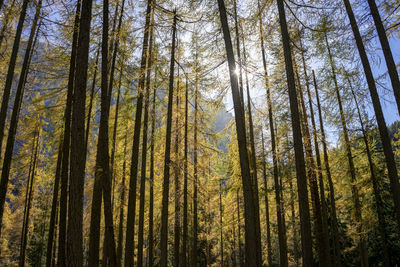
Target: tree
8, 84
74, 251
144, 144
336, 257
102, 183
129, 237
305, 226
6, 97
252, 251
281, 233
387, 146
387, 52
167, 158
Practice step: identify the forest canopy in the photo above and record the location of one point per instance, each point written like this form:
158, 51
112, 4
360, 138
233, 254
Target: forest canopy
199, 133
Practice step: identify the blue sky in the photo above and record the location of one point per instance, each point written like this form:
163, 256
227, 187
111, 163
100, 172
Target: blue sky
389, 107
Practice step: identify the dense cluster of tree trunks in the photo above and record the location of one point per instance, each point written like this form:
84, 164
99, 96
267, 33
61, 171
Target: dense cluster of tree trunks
313, 171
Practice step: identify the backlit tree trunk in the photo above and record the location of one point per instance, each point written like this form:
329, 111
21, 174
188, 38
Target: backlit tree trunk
305, 226
380, 119
167, 158
74, 251
252, 249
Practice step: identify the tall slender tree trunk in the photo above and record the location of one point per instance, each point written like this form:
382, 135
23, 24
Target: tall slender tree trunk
177, 227
91, 99
6, 20
114, 138
151, 191
102, 184
354, 189
316, 204
53, 213
281, 233
324, 209
221, 215
241, 259
238, 53
383, 131
115, 46
28, 198
252, 250
19, 95
233, 244
195, 171
130, 226
94, 241
267, 218
7, 91
54, 253
144, 146
293, 223
62, 232
305, 226
376, 191
122, 202
336, 249
253, 155
321, 224
74, 251
185, 180
387, 52
167, 158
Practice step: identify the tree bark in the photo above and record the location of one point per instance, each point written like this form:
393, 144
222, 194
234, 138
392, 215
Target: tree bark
293, 222
253, 169
267, 218
221, 215
144, 145
319, 212
336, 244
324, 209
167, 158
130, 226
54, 205
376, 191
114, 138
252, 250
383, 131
7, 90
185, 180
122, 202
354, 189
19, 95
115, 47
305, 226
316, 203
151, 191
241, 259
235, 16
74, 251
102, 183
89, 115
28, 198
281, 233
177, 227
193, 259
61, 259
